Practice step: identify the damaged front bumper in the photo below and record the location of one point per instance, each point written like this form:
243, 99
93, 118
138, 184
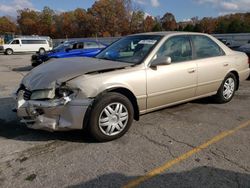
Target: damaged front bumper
54, 115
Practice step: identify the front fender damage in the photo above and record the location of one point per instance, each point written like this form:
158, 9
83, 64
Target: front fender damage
54, 115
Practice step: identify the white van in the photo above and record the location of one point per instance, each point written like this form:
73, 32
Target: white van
40, 45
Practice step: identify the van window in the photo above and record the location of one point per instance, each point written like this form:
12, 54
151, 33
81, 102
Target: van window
34, 41
15, 42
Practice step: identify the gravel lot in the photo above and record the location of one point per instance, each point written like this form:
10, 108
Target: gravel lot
30, 158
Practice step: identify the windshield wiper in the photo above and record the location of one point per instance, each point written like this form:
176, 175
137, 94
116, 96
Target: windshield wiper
105, 58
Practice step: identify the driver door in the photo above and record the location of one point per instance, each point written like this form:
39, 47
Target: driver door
16, 45
168, 84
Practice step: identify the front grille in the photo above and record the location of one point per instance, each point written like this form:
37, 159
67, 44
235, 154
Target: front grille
27, 95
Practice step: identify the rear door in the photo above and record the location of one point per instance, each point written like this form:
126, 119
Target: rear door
212, 64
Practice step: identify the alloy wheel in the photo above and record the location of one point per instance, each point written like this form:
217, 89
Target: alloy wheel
113, 119
228, 88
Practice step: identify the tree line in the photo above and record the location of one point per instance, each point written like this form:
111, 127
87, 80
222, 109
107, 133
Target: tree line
113, 18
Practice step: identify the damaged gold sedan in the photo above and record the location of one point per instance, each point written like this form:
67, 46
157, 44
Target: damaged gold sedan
138, 74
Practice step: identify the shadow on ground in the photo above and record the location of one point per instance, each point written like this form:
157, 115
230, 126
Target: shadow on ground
21, 69
198, 177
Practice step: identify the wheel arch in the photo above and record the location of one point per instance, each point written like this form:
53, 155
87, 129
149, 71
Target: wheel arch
235, 73
41, 48
127, 93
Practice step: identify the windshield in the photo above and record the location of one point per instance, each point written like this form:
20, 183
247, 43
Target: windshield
131, 49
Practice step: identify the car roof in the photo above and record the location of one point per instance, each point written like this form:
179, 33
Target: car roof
28, 39
84, 40
165, 33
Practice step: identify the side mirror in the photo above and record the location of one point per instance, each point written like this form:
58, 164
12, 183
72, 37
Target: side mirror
163, 60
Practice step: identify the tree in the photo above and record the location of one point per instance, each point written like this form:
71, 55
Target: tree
6, 25
207, 25
67, 24
46, 23
168, 22
137, 22
189, 27
149, 24
28, 21
80, 16
110, 16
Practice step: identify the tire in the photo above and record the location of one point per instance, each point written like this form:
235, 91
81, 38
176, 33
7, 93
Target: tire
8, 51
41, 51
227, 89
111, 117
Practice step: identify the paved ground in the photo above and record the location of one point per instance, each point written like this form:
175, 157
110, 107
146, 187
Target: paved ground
30, 158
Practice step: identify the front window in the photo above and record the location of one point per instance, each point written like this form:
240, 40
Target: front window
178, 48
78, 45
15, 42
131, 49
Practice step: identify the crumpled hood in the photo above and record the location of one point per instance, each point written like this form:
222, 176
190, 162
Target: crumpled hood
46, 75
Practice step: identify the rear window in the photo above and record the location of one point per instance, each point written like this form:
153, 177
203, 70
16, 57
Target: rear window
205, 47
34, 42
88, 45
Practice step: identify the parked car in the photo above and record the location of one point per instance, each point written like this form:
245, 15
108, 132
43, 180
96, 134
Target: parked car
81, 48
38, 44
246, 49
137, 74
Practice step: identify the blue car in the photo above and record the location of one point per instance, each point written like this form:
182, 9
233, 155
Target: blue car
81, 48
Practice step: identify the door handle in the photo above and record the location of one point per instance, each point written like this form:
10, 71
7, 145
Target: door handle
192, 70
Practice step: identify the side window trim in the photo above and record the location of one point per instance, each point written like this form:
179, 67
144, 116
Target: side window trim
192, 46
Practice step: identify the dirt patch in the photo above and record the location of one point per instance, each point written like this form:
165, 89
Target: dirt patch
30, 177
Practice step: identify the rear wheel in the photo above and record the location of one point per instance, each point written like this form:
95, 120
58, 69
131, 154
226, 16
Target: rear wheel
8, 51
227, 89
111, 117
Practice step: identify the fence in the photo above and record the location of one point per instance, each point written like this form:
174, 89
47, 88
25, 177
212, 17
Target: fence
237, 39
105, 40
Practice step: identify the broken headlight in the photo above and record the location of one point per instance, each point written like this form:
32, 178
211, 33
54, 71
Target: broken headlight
63, 92
42, 94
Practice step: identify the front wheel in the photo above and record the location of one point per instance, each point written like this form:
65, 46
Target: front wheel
111, 116
227, 89
8, 51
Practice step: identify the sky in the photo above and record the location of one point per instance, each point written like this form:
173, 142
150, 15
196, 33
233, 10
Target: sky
182, 9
